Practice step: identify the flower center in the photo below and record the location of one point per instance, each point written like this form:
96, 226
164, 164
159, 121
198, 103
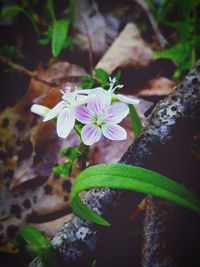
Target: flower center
98, 120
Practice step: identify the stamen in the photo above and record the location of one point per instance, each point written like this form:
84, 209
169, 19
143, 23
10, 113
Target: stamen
65, 90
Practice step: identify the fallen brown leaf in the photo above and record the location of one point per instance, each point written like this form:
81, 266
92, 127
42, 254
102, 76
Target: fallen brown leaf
128, 49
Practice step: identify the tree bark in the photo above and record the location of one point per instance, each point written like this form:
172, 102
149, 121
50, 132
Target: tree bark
172, 122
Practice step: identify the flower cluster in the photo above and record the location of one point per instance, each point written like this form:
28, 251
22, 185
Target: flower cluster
99, 111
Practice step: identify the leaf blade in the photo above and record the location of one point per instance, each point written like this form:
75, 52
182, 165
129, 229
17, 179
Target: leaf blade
35, 238
60, 29
135, 120
121, 176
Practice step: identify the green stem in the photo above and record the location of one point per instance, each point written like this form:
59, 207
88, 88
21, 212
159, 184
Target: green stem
84, 156
84, 151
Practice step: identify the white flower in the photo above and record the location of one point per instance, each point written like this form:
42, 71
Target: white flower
109, 94
101, 118
64, 111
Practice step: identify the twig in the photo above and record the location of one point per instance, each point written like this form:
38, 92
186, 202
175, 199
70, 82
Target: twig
88, 36
34, 74
76, 241
24, 70
161, 39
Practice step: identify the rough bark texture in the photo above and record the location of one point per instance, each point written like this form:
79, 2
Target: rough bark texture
155, 251
172, 122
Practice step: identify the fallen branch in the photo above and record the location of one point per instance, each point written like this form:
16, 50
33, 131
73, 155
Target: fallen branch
156, 250
76, 241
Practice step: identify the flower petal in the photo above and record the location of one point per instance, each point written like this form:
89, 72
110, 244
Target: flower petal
113, 132
39, 109
54, 111
116, 112
65, 122
89, 91
81, 99
128, 100
98, 102
83, 115
90, 134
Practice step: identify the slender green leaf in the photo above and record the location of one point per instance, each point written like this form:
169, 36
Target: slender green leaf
60, 29
71, 11
177, 53
11, 11
39, 245
51, 10
34, 238
118, 76
135, 120
121, 176
14, 10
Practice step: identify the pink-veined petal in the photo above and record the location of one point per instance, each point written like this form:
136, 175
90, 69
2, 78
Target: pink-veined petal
54, 111
113, 132
83, 115
98, 103
128, 100
65, 122
116, 112
39, 109
90, 134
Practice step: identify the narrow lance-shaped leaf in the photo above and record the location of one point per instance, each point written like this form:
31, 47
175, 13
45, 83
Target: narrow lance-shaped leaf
35, 238
59, 35
51, 10
14, 10
135, 120
121, 176
39, 243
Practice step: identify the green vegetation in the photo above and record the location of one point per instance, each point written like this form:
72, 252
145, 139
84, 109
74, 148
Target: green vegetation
126, 177
185, 30
71, 154
57, 30
100, 78
36, 245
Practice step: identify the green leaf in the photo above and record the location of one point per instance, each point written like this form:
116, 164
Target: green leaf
51, 10
14, 10
71, 10
135, 120
43, 41
101, 74
86, 82
11, 11
177, 53
71, 152
118, 76
34, 238
11, 51
39, 244
121, 176
60, 29
63, 169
